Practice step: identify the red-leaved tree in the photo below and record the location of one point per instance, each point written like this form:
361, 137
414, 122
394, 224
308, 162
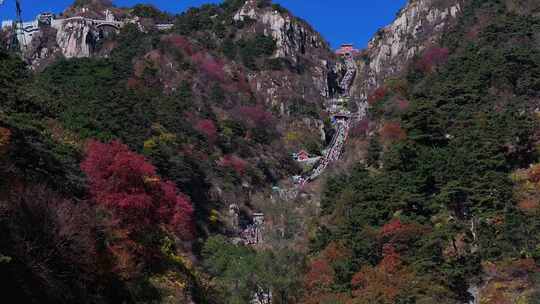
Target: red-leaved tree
318, 283
391, 258
210, 66
234, 162
125, 183
432, 58
392, 227
255, 116
321, 276
384, 282
377, 95
179, 42
208, 128
395, 232
402, 104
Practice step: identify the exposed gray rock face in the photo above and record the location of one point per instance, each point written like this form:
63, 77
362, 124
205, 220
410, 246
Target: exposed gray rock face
46, 39
419, 25
297, 43
75, 38
293, 37
43, 48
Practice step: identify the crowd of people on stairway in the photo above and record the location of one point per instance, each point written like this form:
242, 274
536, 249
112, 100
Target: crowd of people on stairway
252, 234
343, 120
333, 152
342, 126
347, 80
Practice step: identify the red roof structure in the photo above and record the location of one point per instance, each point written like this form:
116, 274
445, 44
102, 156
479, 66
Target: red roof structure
303, 155
346, 49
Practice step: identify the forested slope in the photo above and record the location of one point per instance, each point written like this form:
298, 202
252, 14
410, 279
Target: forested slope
115, 168
445, 206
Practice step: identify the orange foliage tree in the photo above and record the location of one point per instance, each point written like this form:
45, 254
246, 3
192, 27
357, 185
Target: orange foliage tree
384, 282
527, 188
335, 252
392, 132
321, 275
533, 173
5, 138
391, 277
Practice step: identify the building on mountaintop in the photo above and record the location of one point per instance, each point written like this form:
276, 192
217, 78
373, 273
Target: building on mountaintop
347, 49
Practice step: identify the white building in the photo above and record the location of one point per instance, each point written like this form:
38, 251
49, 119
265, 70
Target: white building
7, 23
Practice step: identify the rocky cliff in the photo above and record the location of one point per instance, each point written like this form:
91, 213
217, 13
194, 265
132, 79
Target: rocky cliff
305, 57
294, 38
69, 39
76, 38
77, 33
297, 43
418, 25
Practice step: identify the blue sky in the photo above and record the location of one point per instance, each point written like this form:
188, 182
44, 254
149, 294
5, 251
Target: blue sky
340, 21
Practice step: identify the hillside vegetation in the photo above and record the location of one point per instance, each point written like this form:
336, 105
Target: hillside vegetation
447, 196
114, 170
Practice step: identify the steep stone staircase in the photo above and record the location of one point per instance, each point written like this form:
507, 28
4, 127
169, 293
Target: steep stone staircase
344, 120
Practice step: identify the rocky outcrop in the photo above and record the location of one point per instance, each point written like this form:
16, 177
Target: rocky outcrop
418, 25
47, 38
293, 37
42, 49
297, 43
76, 38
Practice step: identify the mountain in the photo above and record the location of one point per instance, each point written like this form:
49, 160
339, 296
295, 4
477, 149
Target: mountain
116, 119
418, 26
441, 206
228, 155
